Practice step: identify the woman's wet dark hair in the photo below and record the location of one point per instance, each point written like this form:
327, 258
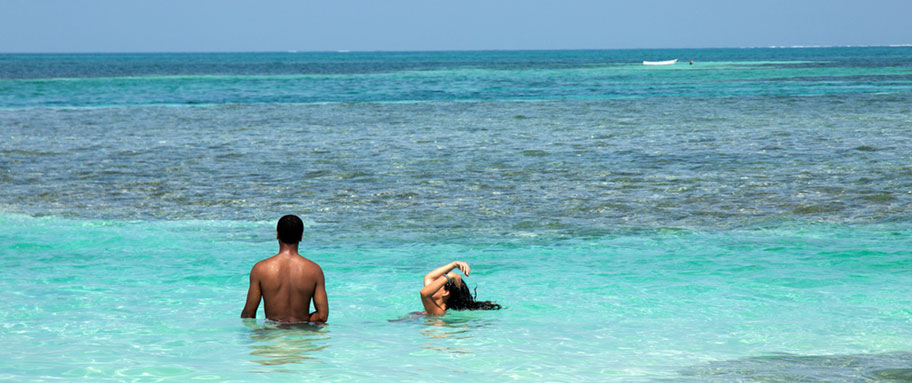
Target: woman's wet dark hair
462, 299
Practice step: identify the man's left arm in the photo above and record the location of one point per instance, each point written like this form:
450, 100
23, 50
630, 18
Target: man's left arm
320, 302
253, 296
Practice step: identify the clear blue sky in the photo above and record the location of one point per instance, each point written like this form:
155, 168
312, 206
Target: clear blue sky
280, 25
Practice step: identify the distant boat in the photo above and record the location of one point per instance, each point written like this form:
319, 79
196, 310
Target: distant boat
668, 62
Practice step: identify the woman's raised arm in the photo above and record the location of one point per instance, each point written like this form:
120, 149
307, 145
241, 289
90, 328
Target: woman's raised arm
434, 281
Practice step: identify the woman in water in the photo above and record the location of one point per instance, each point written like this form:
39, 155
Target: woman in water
446, 290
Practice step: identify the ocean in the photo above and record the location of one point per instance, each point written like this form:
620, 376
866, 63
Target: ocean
744, 218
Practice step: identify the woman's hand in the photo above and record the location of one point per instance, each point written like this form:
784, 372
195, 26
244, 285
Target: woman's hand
462, 266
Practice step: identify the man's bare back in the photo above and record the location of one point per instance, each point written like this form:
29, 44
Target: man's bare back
287, 282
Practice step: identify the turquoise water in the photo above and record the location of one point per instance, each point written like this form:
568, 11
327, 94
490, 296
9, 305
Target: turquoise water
746, 218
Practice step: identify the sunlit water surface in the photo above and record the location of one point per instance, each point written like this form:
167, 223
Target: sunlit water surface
746, 218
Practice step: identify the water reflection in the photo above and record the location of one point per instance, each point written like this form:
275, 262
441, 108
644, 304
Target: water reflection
274, 343
449, 332
886, 367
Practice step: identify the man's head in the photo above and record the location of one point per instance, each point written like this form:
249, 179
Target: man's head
290, 229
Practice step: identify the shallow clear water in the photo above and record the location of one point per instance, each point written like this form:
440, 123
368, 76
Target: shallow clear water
743, 219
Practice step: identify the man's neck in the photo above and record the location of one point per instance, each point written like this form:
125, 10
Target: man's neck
288, 248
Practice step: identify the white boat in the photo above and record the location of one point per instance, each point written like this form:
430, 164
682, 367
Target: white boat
667, 62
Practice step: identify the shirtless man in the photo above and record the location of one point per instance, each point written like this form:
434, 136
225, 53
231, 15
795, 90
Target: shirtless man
287, 281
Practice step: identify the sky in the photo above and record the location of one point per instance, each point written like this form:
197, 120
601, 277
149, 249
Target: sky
34, 26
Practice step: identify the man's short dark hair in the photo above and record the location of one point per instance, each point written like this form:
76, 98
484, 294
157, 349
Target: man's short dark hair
290, 229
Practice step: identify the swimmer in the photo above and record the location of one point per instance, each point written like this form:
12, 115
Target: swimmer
287, 282
444, 290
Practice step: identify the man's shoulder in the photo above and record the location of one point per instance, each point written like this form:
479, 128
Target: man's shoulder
280, 260
265, 261
308, 263
264, 264
283, 260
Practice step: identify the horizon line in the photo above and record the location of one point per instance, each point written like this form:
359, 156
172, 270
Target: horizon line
343, 51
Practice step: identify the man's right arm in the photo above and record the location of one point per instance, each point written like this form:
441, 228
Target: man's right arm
321, 304
253, 296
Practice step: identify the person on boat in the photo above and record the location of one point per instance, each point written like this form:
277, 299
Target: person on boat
287, 282
445, 290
